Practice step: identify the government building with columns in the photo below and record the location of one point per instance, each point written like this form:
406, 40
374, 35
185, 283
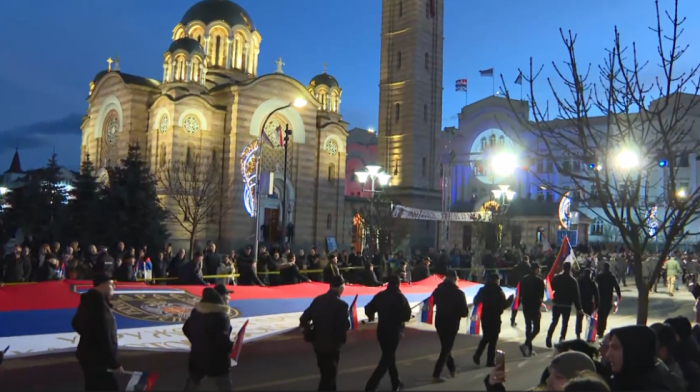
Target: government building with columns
213, 100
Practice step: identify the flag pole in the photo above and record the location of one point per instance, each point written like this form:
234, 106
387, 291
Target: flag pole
466, 96
521, 90
493, 81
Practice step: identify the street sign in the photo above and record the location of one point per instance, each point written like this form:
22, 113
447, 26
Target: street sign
572, 234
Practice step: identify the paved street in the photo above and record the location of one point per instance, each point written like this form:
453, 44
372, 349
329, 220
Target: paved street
287, 362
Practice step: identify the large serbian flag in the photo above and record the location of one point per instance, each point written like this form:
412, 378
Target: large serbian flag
238, 345
475, 321
566, 254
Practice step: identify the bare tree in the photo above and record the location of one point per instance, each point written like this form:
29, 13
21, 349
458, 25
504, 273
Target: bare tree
632, 138
195, 193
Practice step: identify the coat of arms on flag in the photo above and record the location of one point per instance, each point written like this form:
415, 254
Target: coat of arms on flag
591, 327
352, 314
238, 345
426, 311
475, 321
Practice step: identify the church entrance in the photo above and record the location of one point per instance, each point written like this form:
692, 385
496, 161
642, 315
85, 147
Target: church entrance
272, 225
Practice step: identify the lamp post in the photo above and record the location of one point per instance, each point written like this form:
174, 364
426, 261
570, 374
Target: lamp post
504, 196
287, 133
374, 174
298, 103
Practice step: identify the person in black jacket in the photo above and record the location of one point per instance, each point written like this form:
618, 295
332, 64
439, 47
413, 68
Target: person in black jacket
191, 273
175, 265
566, 294
394, 311
289, 271
531, 296
493, 302
209, 331
104, 263
607, 284
331, 269
421, 270
49, 271
212, 260
125, 271
15, 268
370, 278
325, 323
519, 272
97, 348
451, 307
588, 291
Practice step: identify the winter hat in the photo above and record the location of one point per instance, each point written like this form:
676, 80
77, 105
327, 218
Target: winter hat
571, 363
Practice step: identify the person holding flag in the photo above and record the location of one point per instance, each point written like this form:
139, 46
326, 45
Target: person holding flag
325, 324
607, 286
519, 272
531, 293
451, 307
394, 311
493, 301
566, 294
588, 291
209, 331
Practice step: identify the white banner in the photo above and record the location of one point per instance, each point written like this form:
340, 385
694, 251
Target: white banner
418, 214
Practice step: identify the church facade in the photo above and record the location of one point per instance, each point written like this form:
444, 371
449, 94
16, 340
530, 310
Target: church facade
213, 101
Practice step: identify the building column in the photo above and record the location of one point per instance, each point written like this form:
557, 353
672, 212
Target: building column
246, 53
188, 71
229, 45
693, 163
206, 47
255, 62
165, 73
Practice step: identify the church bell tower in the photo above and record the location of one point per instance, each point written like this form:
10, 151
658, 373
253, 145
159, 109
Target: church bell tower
410, 106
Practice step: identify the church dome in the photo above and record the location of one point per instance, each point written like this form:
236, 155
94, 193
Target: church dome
208, 11
325, 80
189, 45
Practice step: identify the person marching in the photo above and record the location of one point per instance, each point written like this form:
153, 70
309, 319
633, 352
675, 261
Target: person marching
566, 294
450, 307
531, 296
394, 311
96, 325
325, 324
209, 331
519, 272
588, 290
607, 285
493, 301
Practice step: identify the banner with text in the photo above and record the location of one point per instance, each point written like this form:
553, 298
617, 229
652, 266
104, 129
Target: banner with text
418, 214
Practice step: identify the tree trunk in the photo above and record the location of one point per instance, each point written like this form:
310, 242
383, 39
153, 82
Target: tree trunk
642, 305
192, 244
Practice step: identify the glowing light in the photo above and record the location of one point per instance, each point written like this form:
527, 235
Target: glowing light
362, 176
682, 194
299, 103
627, 160
504, 163
370, 130
373, 170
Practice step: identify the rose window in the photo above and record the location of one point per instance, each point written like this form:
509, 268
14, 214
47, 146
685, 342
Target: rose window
331, 147
112, 129
191, 124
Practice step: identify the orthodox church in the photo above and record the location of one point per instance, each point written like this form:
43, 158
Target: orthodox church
213, 100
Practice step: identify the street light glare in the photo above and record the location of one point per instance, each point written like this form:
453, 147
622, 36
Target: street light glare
373, 169
362, 176
504, 163
384, 178
299, 103
682, 194
627, 160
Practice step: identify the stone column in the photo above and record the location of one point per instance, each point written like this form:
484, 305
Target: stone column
246, 57
255, 62
229, 45
188, 71
206, 46
165, 73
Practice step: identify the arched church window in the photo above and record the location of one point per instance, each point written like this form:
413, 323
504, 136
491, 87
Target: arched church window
238, 51
331, 172
218, 50
483, 143
334, 101
397, 112
163, 155
492, 141
329, 221
501, 141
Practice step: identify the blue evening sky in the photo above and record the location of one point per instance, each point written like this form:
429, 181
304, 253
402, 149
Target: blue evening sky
51, 50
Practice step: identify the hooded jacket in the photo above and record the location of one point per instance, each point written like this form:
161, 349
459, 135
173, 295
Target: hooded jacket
209, 331
95, 323
450, 305
494, 302
327, 320
640, 369
393, 309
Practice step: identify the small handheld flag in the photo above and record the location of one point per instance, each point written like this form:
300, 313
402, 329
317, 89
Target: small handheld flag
238, 345
426, 311
352, 314
548, 292
516, 300
141, 381
475, 321
616, 305
591, 327
6, 350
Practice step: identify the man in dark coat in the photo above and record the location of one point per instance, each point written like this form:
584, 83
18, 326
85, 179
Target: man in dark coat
209, 331
15, 268
248, 269
191, 272
325, 323
331, 270
493, 302
451, 307
588, 290
97, 348
607, 286
104, 263
125, 271
531, 296
421, 270
519, 272
394, 311
212, 260
566, 294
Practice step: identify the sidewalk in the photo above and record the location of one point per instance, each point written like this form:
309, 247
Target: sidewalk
524, 373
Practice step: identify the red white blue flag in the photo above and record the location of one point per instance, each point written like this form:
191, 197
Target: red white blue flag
475, 321
591, 327
352, 314
566, 254
426, 311
516, 300
141, 381
616, 305
238, 345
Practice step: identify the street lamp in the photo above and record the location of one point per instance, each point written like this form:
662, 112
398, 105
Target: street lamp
627, 160
297, 103
504, 163
287, 133
682, 194
504, 196
374, 174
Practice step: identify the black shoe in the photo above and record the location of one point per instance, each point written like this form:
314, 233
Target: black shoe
548, 342
578, 336
513, 323
398, 388
524, 349
477, 360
